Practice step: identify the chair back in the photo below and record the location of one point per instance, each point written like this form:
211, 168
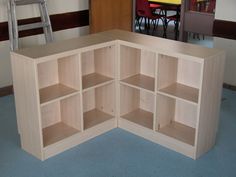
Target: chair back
143, 8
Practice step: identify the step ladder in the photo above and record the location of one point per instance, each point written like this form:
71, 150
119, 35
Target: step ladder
14, 28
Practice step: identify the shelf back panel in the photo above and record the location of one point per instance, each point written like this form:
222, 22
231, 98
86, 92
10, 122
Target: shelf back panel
186, 113
105, 99
89, 100
167, 70
130, 99
165, 111
69, 72
104, 59
129, 61
189, 73
70, 111
146, 101
50, 114
148, 63
48, 74
87, 62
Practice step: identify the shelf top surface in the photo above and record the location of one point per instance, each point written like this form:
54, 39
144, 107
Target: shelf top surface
144, 41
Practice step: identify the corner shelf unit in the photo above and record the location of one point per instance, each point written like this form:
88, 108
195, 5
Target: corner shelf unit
71, 91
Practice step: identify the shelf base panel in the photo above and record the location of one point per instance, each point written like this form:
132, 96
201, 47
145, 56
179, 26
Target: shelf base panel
57, 132
182, 91
53, 92
141, 81
95, 117
180, 132
141, 117
94, 79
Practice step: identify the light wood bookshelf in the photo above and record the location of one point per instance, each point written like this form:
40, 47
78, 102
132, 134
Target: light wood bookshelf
71, 91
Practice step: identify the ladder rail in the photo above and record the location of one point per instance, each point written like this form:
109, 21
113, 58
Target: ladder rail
45, 18
10, 25
14, 28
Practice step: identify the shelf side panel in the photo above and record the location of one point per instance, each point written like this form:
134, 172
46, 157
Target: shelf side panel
27, 104
213, 73
68, 71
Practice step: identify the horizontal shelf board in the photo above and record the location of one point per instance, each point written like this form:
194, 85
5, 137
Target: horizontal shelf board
57, 132
141, 81
140, 117
53, 92
95, 117
94, 79
182, 91
180, 132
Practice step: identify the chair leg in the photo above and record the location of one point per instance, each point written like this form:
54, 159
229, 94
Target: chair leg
139, 23
155, 24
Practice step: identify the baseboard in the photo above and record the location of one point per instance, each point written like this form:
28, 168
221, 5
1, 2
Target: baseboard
224, 29
59, 22
4, 91
230, 87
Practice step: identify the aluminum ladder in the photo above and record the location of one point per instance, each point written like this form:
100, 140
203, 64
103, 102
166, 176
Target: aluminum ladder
14, 28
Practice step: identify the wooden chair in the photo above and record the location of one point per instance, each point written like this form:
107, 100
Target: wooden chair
144, 11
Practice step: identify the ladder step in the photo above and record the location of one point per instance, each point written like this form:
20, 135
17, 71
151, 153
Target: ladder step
26, 2
32, 26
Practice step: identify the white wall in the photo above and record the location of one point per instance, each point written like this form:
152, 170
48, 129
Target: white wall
54, 7
225, 10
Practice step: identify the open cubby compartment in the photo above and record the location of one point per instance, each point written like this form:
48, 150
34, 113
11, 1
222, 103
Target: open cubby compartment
98, 105
180, 77
137, 106
98, 66
176, 118
61, 119
58, 78
137, 67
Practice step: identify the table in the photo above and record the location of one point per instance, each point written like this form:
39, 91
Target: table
171, 2
177, 4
